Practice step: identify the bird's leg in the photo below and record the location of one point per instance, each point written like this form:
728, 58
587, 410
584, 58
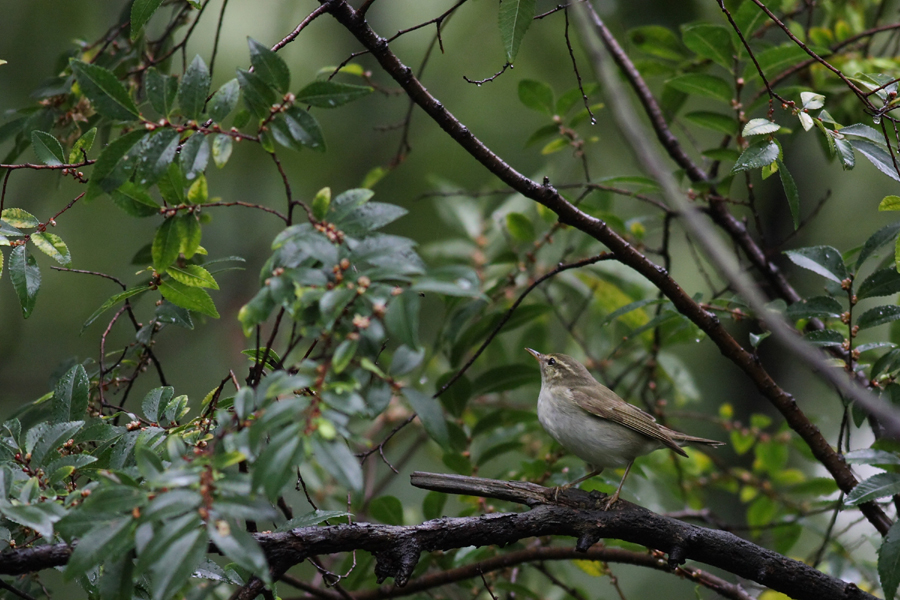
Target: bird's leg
615, 497
594, 472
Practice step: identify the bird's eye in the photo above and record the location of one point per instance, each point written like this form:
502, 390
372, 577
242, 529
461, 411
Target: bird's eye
552, 361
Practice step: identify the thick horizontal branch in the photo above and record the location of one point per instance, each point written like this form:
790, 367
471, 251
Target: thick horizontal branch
570, 512
580, 517
548, 196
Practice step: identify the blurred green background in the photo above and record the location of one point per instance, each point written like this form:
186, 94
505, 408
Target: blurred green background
34, 35
360, 137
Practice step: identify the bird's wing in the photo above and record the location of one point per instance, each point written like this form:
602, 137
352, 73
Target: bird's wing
618, 411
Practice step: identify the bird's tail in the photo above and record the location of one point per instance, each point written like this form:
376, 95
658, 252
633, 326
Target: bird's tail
683, 438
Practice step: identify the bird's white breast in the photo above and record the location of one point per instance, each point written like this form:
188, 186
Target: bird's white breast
599, 442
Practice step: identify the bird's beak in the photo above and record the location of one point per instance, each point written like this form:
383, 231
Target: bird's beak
537, 355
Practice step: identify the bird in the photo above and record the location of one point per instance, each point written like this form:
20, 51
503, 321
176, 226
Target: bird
592, 422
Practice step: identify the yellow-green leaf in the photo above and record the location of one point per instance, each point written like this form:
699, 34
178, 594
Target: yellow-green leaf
889, 203
193, 276
53, 246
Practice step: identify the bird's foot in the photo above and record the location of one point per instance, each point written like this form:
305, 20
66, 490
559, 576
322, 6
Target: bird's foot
611, 501
559, 488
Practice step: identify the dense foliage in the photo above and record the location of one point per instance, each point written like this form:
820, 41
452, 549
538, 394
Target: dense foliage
367, 346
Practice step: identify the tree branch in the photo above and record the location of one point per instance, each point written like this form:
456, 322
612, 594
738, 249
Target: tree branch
574, 513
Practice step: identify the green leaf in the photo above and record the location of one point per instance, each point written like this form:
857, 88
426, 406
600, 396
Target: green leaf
224, 101
536, 95
871, 456
889, 562
193, 276
25, 277
190, 233
106, 540
701, 84
112, 302
748, 19
295, 128
880, 283
194, 156
877, 240
275, 466
505, 378
433, 505
116, 162
240, 547
761, 512
134, 200
191, 298
322, 201
107, 95
337, 459
16, 217
161, 91
387, 509
117, 576
343, 354
369, 217
887, 203
198, 193
173, 569
70, 397
824, 338
878, 316
897, 254
873, 488
520, 227
221, 149
402, 318
822, 260
141, 11
775, 60
845, 152
82, 146
431, 415
657, 41
710, 41
790, 191
269, 66
156, 154
877, 155
514, 19
194, 89
712, 120
760, 127
53, 246
258, 95
166, 244
48, 149
820, 307
256, 311
39, 517
330, 94
313, 518
156, 401
758, 154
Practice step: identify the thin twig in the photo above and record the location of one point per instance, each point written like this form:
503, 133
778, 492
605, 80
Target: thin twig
559, 269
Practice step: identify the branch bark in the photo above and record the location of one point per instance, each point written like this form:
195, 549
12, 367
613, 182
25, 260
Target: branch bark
571, 512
